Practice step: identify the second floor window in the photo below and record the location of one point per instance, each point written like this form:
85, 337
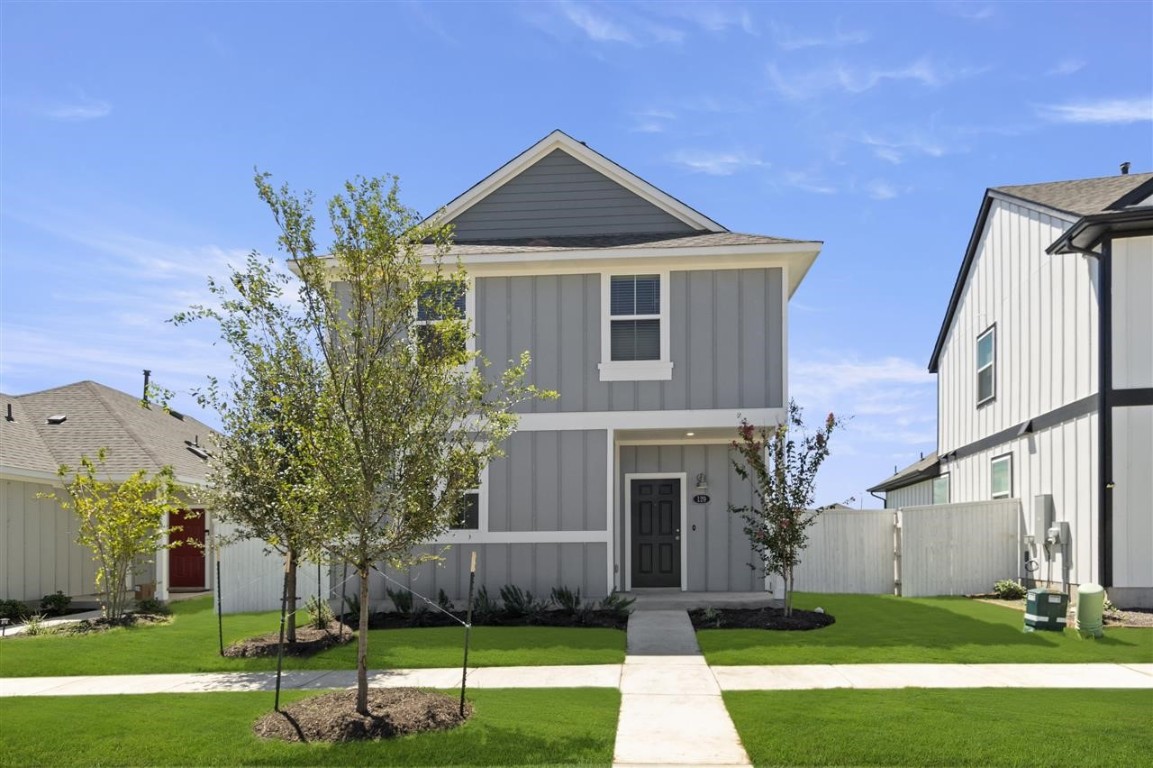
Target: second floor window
440, 315
987, 365
635, 315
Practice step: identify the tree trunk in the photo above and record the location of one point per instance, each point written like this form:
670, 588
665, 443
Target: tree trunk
362, 645
788, 591
290, 594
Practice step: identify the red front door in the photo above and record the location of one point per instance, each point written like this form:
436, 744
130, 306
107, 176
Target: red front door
186, 560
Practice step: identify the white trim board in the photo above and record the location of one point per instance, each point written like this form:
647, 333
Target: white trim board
725, 418
627, 521
523, 537
593, 159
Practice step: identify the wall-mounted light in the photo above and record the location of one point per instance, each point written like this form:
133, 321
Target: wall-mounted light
702, 482
689, 434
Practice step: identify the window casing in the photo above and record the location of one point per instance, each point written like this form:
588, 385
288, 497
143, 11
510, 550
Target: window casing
635, 327
1001, 476
941, 489
441, 302
987, 365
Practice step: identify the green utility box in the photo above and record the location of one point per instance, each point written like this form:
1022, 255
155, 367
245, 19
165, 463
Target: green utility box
1045, 610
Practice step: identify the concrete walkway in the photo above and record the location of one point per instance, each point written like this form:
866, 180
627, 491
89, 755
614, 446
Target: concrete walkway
671, 707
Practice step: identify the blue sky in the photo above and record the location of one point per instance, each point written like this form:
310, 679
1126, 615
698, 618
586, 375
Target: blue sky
129, 133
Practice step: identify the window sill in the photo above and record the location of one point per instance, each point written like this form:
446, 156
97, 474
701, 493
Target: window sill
639, 370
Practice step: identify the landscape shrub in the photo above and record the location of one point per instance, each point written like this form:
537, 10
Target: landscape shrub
401, 600
520, 603
567, 600
319, 612
13, 610
55, 604
153, 606
618, 605
1008, 589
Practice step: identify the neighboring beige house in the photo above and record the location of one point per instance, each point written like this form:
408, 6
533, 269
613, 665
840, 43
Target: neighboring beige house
42, 430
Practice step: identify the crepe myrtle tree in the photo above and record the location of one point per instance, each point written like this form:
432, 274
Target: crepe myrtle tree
122, 523
406, 413
781, 464
260, 475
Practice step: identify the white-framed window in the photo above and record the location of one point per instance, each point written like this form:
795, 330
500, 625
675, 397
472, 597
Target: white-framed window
473, 511
443, 324
1001, 476
987, 365
635, 327
941, 489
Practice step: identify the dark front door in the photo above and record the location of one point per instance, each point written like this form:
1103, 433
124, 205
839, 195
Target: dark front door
656, 532
186, 560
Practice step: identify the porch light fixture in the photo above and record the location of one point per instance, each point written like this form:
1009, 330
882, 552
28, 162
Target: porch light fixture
702, 482
689, 434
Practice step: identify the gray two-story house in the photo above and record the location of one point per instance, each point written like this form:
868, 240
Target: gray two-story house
659, 328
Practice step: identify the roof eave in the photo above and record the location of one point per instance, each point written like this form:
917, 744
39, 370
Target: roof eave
1089, 231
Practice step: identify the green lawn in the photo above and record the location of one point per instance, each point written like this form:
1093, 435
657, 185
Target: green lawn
934, 727
508, 727
880, 629
189, 644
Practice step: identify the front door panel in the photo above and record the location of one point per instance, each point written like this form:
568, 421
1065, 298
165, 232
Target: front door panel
186, 560
656, 532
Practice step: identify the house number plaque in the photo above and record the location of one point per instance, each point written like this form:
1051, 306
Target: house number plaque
701, 498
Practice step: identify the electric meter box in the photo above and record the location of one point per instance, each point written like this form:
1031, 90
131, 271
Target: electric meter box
1045, 610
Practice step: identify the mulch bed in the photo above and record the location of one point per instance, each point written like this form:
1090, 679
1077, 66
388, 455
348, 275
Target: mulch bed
91, 626
759, 618
309, 641
431, 618
333, 716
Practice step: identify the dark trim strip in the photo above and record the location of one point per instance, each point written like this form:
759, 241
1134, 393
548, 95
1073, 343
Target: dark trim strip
1066, 412
1131, 397
1105, 421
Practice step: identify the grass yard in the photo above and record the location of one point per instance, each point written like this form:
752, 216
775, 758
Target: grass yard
189, 644
508, 727
975, 727
881, 629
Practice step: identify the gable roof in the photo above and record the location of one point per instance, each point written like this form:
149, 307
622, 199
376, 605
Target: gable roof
1069, 199
559, 140
136, 437
924, 469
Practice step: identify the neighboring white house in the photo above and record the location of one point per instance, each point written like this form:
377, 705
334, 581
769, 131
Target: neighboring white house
1045, 379
43, 430
659, 328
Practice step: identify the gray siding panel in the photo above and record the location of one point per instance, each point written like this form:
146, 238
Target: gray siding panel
549, 481
559, 196
718, 552
725, 340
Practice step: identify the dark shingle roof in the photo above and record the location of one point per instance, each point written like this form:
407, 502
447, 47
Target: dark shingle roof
98, 417
1080, 197
924, 469
590, 242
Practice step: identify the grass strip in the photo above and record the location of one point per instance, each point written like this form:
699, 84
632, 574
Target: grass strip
934, 727
882, 629
189, 644
215, 729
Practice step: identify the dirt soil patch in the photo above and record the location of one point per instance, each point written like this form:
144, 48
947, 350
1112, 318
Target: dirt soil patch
333, 716
1132, 617
759, 618
309, 641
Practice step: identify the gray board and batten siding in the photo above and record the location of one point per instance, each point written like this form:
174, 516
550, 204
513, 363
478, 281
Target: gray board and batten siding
718, 553
726, 340
549, 481
560, 196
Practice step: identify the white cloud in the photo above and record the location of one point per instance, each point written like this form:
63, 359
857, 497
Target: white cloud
709, 16
808, 181
1102, 111
595, 26
788, 39
652, 120
839, 76
971, 11
1067, 67
79, 111
714, 163
895, 149
881, 190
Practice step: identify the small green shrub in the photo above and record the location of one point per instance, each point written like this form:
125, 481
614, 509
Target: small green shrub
153, 606
55, 604
711, 615
520, 603
1008, 589
401, 599
419, 617
443, 601
13, 610
618, 605
319, 612
353, 604
484, 608
567, 600
34, 625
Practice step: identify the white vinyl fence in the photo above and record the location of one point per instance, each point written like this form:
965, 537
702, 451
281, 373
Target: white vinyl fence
252, 579
945, 549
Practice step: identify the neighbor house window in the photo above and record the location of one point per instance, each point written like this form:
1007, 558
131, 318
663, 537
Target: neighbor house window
941, 489
441, 319
635, 330
986, 365
1001, 476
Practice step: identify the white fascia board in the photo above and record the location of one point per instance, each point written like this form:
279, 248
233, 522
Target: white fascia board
596, 161
619, 421
17, 474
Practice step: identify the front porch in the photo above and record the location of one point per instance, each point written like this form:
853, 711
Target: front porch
674, 599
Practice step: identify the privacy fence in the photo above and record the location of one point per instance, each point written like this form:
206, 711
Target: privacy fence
946, 549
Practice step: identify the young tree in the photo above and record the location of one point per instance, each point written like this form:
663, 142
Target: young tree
122, 523
260, 477
408, 413
781, 463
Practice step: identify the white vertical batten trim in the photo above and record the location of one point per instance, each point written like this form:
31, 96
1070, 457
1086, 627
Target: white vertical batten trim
785, 339
610, 474
683, 477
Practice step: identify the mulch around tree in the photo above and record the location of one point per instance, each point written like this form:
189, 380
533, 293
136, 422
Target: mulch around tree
759, 618
94, 626
309, 641
333, 716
